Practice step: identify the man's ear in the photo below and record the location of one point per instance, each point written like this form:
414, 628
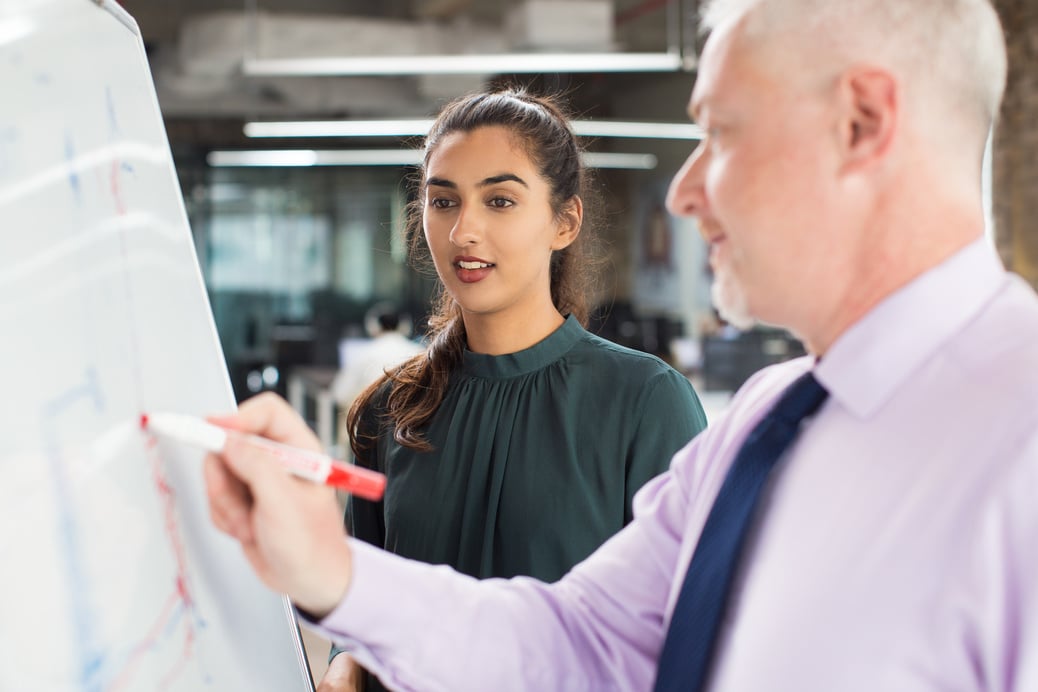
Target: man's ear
569, 223
870, 104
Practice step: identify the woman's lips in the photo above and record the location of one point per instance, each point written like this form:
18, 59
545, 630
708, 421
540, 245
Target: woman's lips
472, 269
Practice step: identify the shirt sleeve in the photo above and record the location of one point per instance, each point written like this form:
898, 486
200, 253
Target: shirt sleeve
1003, 601
426, 627
671, 415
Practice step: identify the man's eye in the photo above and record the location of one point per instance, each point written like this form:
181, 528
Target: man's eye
714, 133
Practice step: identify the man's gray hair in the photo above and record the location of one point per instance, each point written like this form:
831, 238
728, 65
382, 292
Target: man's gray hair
954, 48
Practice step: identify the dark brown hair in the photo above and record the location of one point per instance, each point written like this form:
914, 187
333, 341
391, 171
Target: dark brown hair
542, 130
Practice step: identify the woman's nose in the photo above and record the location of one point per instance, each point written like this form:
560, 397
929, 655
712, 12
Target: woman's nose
468, 228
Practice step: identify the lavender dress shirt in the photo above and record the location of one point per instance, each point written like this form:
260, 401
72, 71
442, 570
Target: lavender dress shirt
896, 547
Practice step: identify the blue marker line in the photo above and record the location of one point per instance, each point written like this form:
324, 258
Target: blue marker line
73, 176
91, 654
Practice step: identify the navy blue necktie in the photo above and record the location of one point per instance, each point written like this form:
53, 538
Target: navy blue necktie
687, 650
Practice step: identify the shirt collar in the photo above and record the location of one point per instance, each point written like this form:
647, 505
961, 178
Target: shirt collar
870, 360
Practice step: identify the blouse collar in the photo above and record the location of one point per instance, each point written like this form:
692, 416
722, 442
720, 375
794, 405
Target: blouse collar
541, 354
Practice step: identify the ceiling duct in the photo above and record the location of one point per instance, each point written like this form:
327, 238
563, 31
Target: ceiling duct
204, 72
210, 49
548, 25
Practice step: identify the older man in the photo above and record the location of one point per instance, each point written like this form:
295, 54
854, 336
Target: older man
893, 545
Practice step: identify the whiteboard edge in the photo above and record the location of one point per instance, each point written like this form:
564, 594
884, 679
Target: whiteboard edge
119, 13
214, 334
124, 17
297, 638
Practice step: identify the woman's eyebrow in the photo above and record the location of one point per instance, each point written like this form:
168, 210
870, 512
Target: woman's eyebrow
492, 180
504, 177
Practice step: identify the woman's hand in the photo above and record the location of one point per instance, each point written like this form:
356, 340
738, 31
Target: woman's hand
343, 675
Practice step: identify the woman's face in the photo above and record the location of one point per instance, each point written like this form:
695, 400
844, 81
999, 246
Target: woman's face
489, 223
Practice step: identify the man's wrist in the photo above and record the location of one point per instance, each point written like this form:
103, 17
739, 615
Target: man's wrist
328, 588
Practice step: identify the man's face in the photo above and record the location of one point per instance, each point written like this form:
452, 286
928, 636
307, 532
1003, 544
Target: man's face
758, 181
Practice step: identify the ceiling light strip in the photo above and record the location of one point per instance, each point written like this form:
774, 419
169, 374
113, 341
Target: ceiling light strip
618, 128
494, 63
338, 128
643, 162
419, 127
290, 158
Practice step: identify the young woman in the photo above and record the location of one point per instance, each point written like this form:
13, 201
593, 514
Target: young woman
514, 444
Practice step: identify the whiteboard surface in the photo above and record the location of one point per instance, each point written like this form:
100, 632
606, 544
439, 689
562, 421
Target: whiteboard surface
111, 576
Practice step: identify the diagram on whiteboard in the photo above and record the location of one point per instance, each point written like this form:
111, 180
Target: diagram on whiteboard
112, 577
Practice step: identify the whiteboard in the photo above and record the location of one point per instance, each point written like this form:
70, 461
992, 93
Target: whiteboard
111, 576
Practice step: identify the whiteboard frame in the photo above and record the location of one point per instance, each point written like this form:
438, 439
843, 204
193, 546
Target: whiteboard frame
126, 19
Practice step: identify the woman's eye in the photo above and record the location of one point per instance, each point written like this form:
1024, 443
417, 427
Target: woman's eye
501, 202
440, 203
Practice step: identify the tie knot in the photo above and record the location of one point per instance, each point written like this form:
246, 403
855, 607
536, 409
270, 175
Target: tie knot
801, 399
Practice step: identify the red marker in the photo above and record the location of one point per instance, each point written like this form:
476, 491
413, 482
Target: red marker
312, 466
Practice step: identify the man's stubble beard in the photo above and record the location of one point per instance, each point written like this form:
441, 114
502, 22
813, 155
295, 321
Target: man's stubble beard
729, 298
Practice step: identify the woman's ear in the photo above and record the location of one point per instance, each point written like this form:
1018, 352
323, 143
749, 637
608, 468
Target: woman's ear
568, 227
870, 104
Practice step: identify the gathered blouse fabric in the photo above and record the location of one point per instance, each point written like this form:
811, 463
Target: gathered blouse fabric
537, 455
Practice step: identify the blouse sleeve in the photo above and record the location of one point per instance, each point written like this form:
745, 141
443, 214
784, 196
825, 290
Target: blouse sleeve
671, 416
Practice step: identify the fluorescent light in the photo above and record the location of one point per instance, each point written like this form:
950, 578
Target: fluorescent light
283, 158
295, 157
618, 128
645, 162
339, 128
420, 127
494, 63
287, 158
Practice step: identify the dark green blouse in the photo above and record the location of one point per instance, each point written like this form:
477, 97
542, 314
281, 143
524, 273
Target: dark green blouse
537, 456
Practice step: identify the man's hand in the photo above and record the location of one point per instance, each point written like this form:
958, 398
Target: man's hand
290, 529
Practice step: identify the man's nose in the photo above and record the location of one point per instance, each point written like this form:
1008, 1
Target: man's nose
685, 195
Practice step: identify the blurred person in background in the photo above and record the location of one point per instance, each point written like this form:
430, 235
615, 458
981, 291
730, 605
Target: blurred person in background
388, 345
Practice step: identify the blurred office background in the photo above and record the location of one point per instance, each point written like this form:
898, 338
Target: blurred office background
284, 117
293, 125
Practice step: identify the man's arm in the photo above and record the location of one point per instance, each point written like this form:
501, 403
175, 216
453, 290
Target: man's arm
419, 626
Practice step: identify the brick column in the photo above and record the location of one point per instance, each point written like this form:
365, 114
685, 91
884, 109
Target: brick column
1015, 163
